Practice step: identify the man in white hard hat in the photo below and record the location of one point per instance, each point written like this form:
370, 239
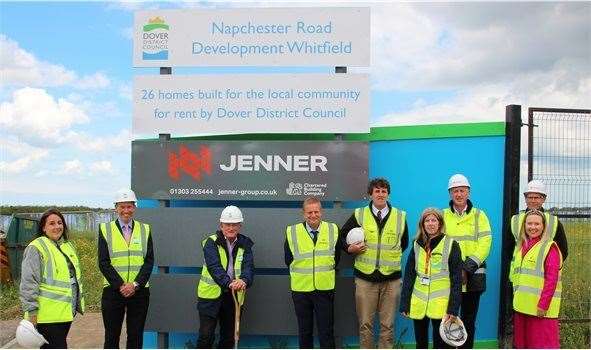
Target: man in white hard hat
535, 196
311, 253
228, 267
126, 259
470, 227
377, 266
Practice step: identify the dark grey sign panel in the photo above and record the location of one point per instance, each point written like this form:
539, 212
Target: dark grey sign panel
269, 296
177, 232
252, 170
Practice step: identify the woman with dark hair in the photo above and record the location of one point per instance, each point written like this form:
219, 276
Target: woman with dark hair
432, 287
51, 286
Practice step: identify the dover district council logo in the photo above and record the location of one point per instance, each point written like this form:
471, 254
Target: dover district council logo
155, 39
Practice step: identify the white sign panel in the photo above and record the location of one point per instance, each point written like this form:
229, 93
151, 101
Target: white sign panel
252, 37
250, 103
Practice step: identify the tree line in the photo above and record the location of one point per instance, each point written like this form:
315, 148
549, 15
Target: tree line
15, 209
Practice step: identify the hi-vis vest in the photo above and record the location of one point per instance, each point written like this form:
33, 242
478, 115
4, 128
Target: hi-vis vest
517, 222
313, 266
55, 289
207, 288
527, 275
383, 250
473, 234
127, 260
431, 290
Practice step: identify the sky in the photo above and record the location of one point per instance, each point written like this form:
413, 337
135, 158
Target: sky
66, 79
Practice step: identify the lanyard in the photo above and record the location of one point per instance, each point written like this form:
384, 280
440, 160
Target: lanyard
428, 259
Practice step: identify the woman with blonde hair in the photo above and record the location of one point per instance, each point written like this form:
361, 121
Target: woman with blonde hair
432, 287
535, 273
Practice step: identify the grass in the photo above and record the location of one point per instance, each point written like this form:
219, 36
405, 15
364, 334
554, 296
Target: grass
85, 242
576, 286
10, 306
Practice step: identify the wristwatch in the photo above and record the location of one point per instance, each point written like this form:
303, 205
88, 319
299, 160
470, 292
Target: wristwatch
136, 285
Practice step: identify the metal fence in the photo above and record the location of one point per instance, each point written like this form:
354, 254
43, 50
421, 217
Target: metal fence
77, 221
559, 153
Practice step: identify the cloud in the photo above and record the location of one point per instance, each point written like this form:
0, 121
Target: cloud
20, 68
456, 45
126, 91
38, 118
90, 143
22, 156
487, 102
70, 167
95, 81
133, 5
483, 56
102, 167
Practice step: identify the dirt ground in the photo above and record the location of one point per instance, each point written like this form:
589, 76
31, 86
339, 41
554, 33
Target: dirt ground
87, 332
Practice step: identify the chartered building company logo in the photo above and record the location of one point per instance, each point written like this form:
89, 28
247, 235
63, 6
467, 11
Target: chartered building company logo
155, 39
294, 189
189, 162
306, 189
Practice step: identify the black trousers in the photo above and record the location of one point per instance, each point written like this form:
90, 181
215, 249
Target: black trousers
321, 304
55, 334
207, 325
114, 306
422, 334
468, 311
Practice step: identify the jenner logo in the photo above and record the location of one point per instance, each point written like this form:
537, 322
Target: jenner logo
189, 163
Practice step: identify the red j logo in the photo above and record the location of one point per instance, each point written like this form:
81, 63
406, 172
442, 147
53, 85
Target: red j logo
189, 162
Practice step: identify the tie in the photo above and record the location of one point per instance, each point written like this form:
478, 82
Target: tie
314, 235
379, 216
127, 233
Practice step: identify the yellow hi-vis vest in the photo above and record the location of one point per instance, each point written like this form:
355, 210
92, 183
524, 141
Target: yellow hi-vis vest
383, 249
517, 222
127, 260
430, 294
473, 234
207, 288
527, 275
55, 289
313, 266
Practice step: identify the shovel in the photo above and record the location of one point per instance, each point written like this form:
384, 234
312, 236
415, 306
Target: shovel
237, 304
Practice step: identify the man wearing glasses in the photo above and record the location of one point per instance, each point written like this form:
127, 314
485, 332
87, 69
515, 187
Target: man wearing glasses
535, 196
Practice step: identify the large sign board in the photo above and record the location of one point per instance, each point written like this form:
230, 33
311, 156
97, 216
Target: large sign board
246, 103
254, 170
252, 37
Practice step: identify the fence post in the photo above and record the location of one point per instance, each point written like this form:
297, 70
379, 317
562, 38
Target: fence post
163, 337
510, 207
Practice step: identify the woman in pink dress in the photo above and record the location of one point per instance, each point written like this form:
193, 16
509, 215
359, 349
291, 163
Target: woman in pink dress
535, 273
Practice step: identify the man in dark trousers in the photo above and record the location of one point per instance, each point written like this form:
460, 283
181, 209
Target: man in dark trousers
228, 268
470, 227
126, 259
312, 253
377, 266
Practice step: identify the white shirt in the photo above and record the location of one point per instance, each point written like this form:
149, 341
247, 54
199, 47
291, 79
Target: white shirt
310, 229
384, 211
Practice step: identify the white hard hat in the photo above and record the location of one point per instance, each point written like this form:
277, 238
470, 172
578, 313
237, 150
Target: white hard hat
535, 186
453, 332
457, 180
231, 214
28, 337
125, 196
355, 235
